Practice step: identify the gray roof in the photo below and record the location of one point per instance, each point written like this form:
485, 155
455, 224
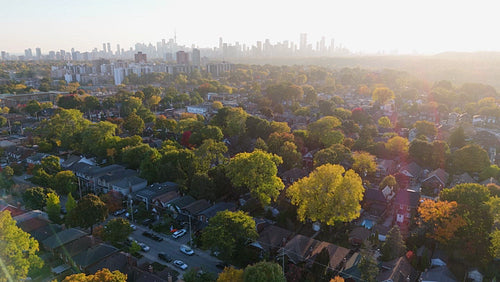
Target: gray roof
157, 189
131, 180
182, 201
94, 255
440, 273
62, 238
221, 206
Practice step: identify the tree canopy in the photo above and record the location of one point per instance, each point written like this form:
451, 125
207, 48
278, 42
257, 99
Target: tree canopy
103, 275
328, 194
88, 211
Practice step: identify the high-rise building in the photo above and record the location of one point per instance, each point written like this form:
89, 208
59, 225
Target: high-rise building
303, 41
4, 55
182, 58
196, 57
38, 53
118, 49
104, 47
140, 58
109, 48
28, 53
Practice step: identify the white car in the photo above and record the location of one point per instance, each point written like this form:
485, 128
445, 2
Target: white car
180, 264
144, 247
133, 227
186, 250
179, 233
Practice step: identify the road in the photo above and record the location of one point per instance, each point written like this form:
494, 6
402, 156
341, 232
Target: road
171, 246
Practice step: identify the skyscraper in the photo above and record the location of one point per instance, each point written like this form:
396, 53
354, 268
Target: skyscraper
140, 58
38, 53
303, 42
104, 47
109, 48
117, 49
182, 58
196, 58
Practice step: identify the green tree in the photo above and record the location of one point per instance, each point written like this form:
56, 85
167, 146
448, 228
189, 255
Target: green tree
91, 103
210, 153
71, 101
33, 107
382, 95
264, 271
256, 171
51, 165
54, 207
332, 155
117, 230
70, 203
364, 163
323, 131
398, 146
394, 246
229, 232
328, 194
88, 211
490, 171
64, 128
457, 138
17, 250
368, 267
470, 158
134, 124
495, 244
133, 156
426, 128
390, 181
64, 182
35, 198
96, 137
103, 275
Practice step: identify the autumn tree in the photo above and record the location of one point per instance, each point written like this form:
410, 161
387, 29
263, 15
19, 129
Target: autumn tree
231, 274
103, 275
17, 250
228, 232
390, 181
495, 244
134, 124
398, 146
440, 219
394, 246
117, 230
88, 211
264, 271
384, 122
256, 171
364, 163
328, 194
382, 95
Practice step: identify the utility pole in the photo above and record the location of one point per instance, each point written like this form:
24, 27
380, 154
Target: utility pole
190, 235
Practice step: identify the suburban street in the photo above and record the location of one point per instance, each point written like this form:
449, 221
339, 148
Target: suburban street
170, 246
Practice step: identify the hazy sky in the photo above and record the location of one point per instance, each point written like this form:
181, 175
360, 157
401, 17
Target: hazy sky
369, 26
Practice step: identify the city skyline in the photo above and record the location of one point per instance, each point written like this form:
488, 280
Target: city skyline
389, 26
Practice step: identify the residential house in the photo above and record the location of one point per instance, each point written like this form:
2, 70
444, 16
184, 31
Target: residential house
62, 238
388, 193
302, 249
163, 200
271, 238
398, 269
374, 202
436, 180
358, 235
123, 262
308, 159
205, 215
385, 168
195, 207
119, 174
490, 180
36, 159
461, 179
128, 184
18, 153
292, 175
67, 251
405, 205
438, 273
155, 190
413, 171
177, 204
89, 257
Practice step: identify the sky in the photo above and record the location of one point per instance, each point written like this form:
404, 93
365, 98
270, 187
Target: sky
362, 26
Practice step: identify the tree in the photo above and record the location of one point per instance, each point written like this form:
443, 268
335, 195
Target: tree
256, 171
328, 194
210, 153
382, 95
470, 158
97, 136
390, 181
103, 275
228, 232
231, 274
133, 156
440, 219
426, 128
51, 165
64, 182
364, 163
457, 138
117, 230
91, 103
323, 130
54, 207
332, 155
264, 271
394, 246
88, 211
71, 101
17, 250
490, 171
134, 124
398, 146
64, 128
384, 122
70, 203
35, 198
194, 275
368, 266
33, 107
495, 244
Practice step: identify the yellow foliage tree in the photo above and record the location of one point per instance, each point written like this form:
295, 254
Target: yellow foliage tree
103, 275
441, 217
231, 274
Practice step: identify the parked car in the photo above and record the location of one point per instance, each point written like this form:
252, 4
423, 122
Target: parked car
147, 234
144, 247
133, 227
156, 238
179, 233
186, 250
180, 264
165, 257
119, 212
